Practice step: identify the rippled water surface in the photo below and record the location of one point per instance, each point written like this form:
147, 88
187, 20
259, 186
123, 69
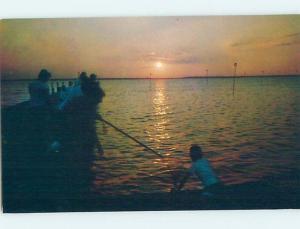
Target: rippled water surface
248, 136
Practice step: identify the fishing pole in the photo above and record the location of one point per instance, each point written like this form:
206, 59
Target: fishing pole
129, 136
174, 174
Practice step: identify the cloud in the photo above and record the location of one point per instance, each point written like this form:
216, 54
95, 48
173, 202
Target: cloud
285, 40
292, 35
173, 58
189, 59
243, 43
284, 44
288, 43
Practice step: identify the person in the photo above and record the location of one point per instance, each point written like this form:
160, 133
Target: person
62, 92
203, 170
73, 92
93, 78
40, 111
39, 90
92, 89
70, 84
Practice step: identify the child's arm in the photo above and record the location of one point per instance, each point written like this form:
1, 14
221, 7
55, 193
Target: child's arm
183, 181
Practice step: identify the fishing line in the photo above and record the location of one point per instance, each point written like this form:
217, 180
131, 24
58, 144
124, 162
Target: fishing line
174, 176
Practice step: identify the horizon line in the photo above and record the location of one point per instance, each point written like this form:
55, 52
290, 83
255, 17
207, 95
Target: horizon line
154, 78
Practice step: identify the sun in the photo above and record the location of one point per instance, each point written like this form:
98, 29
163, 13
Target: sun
158, 65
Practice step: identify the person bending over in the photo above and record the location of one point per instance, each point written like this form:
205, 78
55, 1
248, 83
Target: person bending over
202, 169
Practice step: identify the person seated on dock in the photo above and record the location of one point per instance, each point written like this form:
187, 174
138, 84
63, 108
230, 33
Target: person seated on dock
203, 170
39, 90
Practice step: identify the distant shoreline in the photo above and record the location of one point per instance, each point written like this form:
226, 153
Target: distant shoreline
167, 78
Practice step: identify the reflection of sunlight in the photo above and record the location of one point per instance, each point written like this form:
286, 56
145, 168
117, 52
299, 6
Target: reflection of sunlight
160, 112
159, 102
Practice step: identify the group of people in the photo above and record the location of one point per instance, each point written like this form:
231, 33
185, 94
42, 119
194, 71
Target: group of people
84, 86
48, 110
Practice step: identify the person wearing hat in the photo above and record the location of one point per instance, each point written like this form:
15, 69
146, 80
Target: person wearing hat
203, 170
39, 90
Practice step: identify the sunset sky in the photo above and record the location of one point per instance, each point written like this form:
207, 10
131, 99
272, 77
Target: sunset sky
162, 46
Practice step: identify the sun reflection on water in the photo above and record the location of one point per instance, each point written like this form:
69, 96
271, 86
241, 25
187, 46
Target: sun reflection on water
160, 132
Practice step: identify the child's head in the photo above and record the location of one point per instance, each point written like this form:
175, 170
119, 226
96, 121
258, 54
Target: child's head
195, 152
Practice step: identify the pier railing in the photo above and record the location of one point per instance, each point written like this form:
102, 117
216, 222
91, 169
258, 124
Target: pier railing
57, 86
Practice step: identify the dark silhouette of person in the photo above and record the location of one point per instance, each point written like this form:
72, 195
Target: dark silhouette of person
92, 90
39, 90
93, 77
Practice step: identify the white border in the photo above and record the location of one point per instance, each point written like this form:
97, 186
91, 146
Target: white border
96, 8
181, 220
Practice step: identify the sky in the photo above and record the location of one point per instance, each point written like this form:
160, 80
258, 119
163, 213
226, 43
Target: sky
151, 46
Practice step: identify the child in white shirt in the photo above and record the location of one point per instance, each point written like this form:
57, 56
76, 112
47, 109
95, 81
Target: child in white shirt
203, 170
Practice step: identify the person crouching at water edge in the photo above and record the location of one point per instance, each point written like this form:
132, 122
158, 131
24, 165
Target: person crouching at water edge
203, 170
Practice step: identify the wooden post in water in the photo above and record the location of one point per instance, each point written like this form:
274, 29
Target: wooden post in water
150, 84
262, 75
234, 75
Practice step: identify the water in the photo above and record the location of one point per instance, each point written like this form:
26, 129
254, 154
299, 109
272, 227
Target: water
248, 136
